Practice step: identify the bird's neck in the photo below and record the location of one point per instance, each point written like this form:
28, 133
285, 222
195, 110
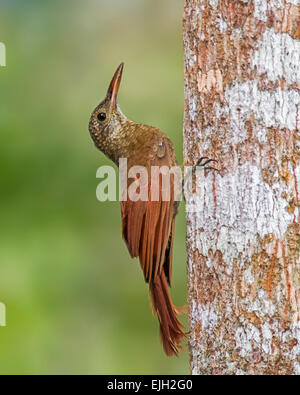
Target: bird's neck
121, 140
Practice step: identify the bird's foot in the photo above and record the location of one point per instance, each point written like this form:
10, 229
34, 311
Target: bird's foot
200, 163
203, 162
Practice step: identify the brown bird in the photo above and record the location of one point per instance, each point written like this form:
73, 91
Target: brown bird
147, 226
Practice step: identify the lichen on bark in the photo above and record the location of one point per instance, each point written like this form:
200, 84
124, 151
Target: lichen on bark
242, 107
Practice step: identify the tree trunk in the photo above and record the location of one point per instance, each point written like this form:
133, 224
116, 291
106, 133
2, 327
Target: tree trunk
242, 107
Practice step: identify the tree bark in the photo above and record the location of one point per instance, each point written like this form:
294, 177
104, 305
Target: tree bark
242, 107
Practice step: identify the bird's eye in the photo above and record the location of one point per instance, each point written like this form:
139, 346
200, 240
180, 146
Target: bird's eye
101, 116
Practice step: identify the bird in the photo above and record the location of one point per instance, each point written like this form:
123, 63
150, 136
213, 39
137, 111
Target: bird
147, 226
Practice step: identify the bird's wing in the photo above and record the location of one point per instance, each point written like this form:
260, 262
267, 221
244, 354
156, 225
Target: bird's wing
148, 226
148, 229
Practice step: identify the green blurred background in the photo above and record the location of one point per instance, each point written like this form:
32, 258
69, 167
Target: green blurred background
76, 302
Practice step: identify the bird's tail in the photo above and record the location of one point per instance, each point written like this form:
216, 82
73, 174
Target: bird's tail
171, 333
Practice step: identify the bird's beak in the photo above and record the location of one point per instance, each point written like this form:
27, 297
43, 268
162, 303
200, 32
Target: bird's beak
113, 89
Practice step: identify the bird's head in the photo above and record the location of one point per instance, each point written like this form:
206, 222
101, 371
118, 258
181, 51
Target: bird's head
107, 120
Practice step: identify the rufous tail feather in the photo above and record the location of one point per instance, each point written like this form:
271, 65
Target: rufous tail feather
171, 333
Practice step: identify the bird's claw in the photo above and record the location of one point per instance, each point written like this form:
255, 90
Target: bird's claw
207, 161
